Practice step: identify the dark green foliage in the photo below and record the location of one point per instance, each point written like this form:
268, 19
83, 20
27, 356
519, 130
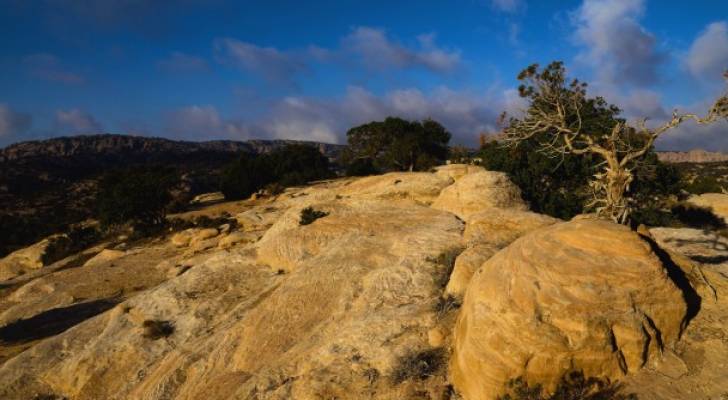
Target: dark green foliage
419, 365
137, 195
398, 144
156, 329
573, 386
308, 215
697, 217
361, 167
705, 184
557, 187
294, 164
245, 176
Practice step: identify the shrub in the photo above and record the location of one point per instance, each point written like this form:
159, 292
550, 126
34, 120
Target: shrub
156, 329
419, 365
398, 144
361, 167
138, 196
704, 184
291, 165
308, 215
573, 386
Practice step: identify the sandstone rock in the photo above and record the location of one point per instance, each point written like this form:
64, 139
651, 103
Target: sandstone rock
34, 257
287, 243
235, 238
104, 257
360, 298
466, 264
257, 219
500, 227
208, 198
203, 234
457, 171
697, 244
182, 239
588, 295
718, 202
420, 187
478, 191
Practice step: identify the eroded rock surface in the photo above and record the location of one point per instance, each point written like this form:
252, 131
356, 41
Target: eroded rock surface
361, 302
478, 191
586, 295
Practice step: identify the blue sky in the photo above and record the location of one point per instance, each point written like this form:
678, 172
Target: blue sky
200, 70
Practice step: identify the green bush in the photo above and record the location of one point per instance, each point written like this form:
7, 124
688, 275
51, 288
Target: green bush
308, 215
361, 167
397, 144
138, 196
559, 187
704, 184
291, 165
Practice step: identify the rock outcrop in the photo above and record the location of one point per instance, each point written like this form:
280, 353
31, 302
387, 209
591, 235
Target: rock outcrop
692, 156
586, 295
477, 191
362, 302
33, 257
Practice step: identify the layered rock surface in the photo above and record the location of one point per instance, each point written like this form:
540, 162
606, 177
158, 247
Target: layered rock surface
585, 295
356, 304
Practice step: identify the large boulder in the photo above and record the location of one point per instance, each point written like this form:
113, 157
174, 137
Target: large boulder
587, 295
478, 191
718, 202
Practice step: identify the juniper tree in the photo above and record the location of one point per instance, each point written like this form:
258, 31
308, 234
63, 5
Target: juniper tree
562, 119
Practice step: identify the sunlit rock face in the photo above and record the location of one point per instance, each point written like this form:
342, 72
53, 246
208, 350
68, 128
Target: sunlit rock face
587, 295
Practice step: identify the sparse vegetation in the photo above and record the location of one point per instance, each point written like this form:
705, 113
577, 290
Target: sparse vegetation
573, 386
397, 144
419, 365
294, 164
308, 215
157, 329
138, 196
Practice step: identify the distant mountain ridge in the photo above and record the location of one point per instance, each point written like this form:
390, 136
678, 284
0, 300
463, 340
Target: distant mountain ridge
48, 184
692, 156
113, 144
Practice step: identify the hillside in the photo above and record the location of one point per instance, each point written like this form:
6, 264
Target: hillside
47, 184
422, 285
692, 156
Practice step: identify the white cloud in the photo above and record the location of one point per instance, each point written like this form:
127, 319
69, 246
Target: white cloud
465, 114
376, 50
509, 6
75, 121
277, 66
616, 46
204, 122
12, 122
48, 67
708, 55
181, 62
